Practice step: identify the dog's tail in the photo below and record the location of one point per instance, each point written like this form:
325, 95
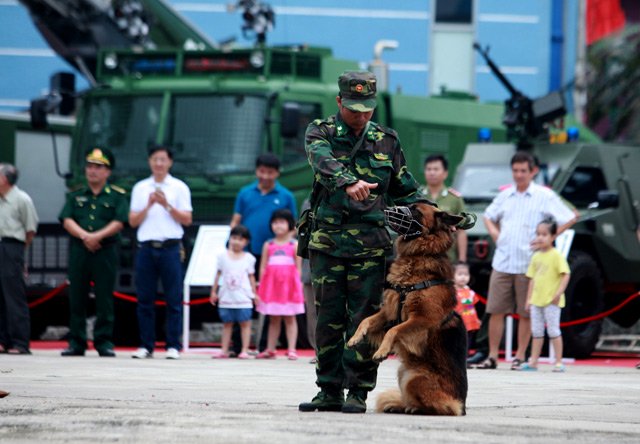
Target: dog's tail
390, 401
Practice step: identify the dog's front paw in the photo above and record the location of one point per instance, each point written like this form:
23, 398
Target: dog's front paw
357, 337
380, 356
354, 341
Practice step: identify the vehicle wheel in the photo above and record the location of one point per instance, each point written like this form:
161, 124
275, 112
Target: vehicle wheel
584, 298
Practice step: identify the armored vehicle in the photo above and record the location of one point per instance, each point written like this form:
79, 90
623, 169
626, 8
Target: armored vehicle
156, 80
599, 180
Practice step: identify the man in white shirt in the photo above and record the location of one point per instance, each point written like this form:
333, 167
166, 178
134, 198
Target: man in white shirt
511, 221
18, 224
160, 207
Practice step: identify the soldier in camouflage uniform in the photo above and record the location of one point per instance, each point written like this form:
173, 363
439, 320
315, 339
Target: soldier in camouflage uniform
349, 241
436, 170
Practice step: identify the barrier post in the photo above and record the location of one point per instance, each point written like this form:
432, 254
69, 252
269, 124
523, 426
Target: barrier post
186, 315
508, 340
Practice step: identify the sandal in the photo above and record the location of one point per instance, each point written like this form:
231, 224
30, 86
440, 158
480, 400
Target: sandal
220, 355
266, 354
292, 355
18, 351
515, 364
559, 368
525, 367
488, 364
243, 355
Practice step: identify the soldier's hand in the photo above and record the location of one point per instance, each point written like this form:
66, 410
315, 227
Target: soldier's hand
360, 190
91, 242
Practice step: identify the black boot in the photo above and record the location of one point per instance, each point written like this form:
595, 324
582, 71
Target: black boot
324, 401
355, 402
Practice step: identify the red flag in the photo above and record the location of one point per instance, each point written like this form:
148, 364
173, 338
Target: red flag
604, 17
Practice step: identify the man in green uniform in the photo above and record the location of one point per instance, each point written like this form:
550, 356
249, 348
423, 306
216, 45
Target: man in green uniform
436, 171
360, 169
93, 216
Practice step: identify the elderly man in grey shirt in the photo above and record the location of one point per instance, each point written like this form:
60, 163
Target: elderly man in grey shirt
18, 223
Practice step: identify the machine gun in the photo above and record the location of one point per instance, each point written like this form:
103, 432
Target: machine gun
525, 119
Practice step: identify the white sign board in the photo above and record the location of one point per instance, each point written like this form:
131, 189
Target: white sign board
210, 242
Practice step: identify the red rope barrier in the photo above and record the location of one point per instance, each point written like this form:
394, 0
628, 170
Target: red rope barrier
56, 291
128, 297
602, 315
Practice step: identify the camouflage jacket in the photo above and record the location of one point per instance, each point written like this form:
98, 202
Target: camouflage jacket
344, 227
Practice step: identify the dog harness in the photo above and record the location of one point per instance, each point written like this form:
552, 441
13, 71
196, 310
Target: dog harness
403, 291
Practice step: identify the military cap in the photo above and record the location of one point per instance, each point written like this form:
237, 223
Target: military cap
101, 156
358, 90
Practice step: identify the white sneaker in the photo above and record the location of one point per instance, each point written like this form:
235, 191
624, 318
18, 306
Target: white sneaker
142, 353
173, 353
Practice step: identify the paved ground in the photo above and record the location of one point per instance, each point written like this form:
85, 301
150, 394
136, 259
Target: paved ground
197, 399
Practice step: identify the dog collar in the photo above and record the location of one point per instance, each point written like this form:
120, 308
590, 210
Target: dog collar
403, 291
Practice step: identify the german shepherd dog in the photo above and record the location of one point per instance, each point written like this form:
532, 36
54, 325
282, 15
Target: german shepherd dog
429, 337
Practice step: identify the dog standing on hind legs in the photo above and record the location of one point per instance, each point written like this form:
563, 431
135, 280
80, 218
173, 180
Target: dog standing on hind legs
429, 338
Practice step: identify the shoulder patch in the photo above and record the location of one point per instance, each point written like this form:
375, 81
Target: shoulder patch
455, 192
385, 130
118, 189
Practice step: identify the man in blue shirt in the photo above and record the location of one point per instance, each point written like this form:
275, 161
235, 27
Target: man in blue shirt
254, 205
257, 201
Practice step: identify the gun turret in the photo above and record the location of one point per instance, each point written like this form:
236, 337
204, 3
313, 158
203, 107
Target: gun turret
525, 119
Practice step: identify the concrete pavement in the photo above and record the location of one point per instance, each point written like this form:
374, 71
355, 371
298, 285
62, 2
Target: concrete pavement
197, 399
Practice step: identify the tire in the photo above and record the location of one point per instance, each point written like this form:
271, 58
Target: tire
584, 298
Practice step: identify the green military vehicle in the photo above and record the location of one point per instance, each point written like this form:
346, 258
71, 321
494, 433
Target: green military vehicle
600, 181
217, 106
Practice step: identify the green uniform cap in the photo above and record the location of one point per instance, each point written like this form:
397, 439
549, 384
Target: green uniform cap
358, 90
100, 156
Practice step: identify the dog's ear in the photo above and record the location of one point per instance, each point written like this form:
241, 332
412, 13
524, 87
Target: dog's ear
449, 219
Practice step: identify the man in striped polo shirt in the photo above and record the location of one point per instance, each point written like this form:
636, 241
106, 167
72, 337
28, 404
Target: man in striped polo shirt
511, 221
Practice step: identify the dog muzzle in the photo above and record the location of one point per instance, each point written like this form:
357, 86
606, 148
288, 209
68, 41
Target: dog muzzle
402, 222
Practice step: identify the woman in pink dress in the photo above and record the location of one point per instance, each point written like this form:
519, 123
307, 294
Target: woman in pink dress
280, 289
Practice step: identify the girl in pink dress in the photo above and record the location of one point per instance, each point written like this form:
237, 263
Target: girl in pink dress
280, 289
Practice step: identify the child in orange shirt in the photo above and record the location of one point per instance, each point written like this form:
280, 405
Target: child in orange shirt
467, 299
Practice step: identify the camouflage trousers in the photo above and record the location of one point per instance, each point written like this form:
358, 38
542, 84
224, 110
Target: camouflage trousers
346, 291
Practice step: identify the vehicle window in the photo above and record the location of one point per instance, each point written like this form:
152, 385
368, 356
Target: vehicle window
582, 187
126, 125
293, 148
483, 182
216, 134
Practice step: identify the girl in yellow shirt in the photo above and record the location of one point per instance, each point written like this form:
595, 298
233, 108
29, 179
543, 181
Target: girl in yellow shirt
549, 276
